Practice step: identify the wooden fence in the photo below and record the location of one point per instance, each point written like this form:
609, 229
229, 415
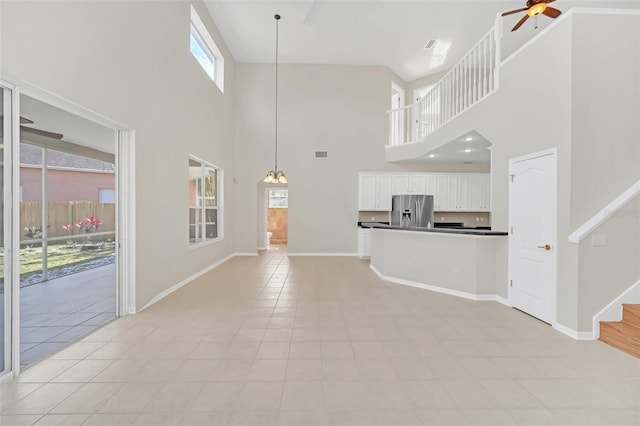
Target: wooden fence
61, 214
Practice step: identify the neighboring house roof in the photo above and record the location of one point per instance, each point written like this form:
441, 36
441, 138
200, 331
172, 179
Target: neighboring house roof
32, 156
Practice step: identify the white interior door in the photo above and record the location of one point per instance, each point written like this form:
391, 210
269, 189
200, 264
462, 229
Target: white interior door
532, 216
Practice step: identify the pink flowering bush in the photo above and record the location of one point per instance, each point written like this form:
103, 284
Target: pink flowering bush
87, 225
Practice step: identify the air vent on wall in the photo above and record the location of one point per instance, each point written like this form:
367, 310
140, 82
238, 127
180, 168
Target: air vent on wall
429, 44
321, 155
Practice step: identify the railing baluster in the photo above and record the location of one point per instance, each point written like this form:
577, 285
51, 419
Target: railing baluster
467, 83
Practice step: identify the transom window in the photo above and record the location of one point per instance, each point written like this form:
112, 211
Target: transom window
278, 198
204, 49
205, 201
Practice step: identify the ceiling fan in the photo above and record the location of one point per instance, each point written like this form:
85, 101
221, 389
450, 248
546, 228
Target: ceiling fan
534, 8
23, 127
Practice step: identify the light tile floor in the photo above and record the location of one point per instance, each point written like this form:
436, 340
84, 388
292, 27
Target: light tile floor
272, 340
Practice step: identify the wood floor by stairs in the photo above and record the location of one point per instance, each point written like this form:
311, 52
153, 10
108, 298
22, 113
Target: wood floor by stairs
625, 334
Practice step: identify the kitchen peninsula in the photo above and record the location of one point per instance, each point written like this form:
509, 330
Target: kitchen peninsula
467, 263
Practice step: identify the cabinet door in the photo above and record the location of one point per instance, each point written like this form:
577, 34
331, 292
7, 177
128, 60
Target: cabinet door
400, 184
443, 196
485, 194
383, 193
366, 244
368, 192
431, 185
462, 190
417, 184
476, 193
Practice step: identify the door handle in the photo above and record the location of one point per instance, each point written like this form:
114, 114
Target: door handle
547, 247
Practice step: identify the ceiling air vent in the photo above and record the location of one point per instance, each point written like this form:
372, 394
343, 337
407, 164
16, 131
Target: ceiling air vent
321, 155
429, 44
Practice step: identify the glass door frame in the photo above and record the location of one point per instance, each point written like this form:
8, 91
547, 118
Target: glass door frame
11, 106
124, 140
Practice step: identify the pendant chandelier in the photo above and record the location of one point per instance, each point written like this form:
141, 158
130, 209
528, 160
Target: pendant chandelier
275, 175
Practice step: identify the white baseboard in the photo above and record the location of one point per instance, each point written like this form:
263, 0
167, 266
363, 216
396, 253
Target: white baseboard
262, 248
186, 281
443, 290
324, 254
244, 254
613, 311
503, 301
577, 335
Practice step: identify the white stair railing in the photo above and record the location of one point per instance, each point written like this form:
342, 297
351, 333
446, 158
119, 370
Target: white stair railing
467, 83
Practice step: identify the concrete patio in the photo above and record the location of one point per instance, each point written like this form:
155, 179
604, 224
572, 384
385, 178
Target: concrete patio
56, 312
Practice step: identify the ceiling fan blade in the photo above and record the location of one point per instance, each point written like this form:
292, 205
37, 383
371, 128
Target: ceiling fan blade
41, 132
551, 12
519, 24
548, 1
511, 12
22, 120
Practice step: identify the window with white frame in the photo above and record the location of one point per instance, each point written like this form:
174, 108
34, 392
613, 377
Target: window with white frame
205, 201
278, 198
204, 49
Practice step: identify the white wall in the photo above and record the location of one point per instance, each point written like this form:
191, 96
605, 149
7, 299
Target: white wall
338, 108
130, 61
606, 271
605, 151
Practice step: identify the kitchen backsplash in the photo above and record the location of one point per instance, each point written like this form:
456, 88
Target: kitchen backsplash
469, 219
365, 216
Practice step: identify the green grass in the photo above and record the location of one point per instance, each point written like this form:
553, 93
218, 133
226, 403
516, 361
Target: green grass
59, 256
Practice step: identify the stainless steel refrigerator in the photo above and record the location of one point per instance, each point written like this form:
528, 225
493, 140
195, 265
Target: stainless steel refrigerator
412, 211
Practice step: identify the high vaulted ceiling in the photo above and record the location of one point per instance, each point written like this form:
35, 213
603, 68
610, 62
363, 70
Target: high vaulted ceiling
374, 32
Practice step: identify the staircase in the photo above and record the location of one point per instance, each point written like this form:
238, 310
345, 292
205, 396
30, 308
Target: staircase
625, 334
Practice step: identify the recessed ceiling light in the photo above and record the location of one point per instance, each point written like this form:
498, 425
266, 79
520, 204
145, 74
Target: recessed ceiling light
468, 150
429, 44
431, 155
468, 139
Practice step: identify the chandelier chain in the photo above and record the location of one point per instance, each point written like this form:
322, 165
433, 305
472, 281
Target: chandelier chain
276, 160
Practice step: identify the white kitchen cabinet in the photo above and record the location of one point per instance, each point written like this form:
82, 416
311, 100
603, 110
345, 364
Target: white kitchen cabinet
374, 192
364, 243
409, 184
443, 198
465, 192
479, 189
384, 192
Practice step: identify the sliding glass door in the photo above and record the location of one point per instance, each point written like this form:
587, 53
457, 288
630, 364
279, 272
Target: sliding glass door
5, 240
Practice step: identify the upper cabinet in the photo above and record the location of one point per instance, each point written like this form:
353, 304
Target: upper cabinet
409, 184
375, 192
463, 192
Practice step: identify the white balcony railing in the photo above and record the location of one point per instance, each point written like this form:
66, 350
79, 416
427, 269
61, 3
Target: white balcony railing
467, 83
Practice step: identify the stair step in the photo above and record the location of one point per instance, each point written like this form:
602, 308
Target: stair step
622, 336
631, 314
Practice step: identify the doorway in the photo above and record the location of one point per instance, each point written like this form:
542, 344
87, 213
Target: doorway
532, 236
277, 217
67, 215
46, 141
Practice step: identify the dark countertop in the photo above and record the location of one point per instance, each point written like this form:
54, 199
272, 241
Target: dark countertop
481, 232
371, 223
